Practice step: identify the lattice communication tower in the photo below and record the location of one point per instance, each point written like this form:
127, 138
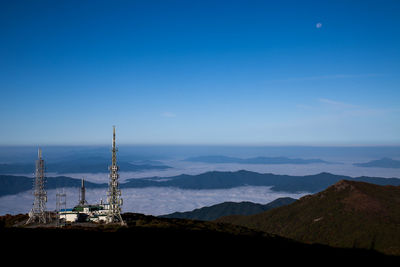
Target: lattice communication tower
38, 211
114, 193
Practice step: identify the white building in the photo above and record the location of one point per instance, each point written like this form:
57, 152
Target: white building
93, 213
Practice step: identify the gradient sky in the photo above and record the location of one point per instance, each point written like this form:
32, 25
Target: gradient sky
200, 72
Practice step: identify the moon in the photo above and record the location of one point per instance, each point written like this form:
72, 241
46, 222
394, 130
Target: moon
318, 25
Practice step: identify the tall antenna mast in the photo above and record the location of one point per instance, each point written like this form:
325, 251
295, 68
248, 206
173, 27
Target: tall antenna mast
82, 198
114, 193
38, 211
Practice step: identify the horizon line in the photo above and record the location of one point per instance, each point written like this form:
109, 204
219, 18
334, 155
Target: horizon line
206, 144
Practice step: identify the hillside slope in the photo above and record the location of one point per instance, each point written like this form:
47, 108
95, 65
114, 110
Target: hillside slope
347, 214
229, 208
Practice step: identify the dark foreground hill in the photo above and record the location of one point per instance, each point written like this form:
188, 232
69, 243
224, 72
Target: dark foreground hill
347, 214
152, 240
229, 208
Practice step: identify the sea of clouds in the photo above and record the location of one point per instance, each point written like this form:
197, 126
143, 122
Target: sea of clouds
151, 200
158, 201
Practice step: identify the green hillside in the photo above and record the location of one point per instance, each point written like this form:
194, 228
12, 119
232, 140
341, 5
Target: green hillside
347, 214
229, 208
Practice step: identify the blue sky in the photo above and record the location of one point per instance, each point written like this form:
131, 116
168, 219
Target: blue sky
200, 72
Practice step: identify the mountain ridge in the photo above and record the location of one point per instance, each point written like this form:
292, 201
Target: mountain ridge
210, 213
208, 180
278, 182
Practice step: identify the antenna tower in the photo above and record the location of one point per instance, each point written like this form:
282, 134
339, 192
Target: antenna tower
114, 193
38, 211
82, 193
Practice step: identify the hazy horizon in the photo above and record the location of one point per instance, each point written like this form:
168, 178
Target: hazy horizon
147, 152
340, 159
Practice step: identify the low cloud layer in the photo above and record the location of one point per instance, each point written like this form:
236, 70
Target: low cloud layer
151, 201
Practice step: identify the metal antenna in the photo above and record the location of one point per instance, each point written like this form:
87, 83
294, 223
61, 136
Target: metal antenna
38, 211
114, 193
82, 198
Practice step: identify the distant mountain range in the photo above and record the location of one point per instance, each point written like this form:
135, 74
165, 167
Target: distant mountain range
210, 180
229, 208
84, 165
256, 160
223, 180
380, 163
347, 214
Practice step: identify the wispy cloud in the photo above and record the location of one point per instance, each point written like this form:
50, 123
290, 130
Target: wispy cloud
337, 104
328, 103
328, 77
305, 107
168, 114
335, 108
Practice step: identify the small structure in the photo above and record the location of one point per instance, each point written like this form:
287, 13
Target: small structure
87, 213
84, 212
